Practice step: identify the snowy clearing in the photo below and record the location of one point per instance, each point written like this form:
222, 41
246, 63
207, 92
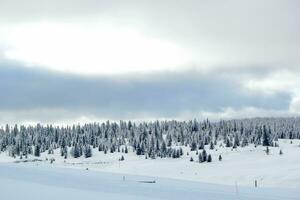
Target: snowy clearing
242, 166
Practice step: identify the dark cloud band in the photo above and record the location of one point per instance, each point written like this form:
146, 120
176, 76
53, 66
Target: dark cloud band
164, 94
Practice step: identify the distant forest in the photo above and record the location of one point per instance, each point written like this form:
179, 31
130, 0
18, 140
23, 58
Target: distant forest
151, 139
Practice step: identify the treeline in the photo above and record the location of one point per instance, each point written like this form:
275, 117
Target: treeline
151, 139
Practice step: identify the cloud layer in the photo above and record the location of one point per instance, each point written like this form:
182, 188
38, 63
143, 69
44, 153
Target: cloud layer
192, 59
184, 94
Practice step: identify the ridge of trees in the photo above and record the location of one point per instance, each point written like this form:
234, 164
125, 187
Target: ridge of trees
151, 139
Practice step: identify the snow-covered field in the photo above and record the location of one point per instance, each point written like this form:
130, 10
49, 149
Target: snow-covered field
46, 182
231, 178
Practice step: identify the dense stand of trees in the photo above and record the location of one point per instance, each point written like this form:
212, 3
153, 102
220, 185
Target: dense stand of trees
151, 139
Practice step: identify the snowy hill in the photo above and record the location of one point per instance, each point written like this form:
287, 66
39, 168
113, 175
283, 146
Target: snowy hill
240, 166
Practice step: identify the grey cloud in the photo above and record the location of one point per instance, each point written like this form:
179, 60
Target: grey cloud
164, 94
239, 40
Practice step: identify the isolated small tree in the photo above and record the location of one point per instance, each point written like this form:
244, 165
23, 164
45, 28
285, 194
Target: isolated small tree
280, 152
112, 149
139, 150
177, 153
87, 151
267, 151
122, 158
191, 159
220, 158
76, 151
209, 158
204, 156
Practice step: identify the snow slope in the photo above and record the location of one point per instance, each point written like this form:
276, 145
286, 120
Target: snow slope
242, 166
22, 181
278, 176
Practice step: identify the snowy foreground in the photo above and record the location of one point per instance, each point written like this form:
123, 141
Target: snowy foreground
41, 182
102, 176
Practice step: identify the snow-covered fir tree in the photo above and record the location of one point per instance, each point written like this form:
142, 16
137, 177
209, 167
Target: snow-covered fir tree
149, 139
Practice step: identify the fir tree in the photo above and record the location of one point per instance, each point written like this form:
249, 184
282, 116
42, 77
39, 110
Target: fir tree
220, 158
193, 146
209, 159
87, 151
267, 150
200, 159
37, 150
266, 137
211, 145
204, 156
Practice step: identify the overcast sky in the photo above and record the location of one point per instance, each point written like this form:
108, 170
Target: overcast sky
69, 61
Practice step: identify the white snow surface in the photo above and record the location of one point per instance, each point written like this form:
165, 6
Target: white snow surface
278, 176
48, 183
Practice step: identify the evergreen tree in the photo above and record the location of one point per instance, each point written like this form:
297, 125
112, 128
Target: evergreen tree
204, 156
200, 158
193, 146
220, 158
201, 146
37, 150
266, 137
267, 150
209, 159
236, 141
87, 151
211, 145
228, 142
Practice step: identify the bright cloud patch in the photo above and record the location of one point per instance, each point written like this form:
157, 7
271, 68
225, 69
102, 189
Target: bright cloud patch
91, 49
